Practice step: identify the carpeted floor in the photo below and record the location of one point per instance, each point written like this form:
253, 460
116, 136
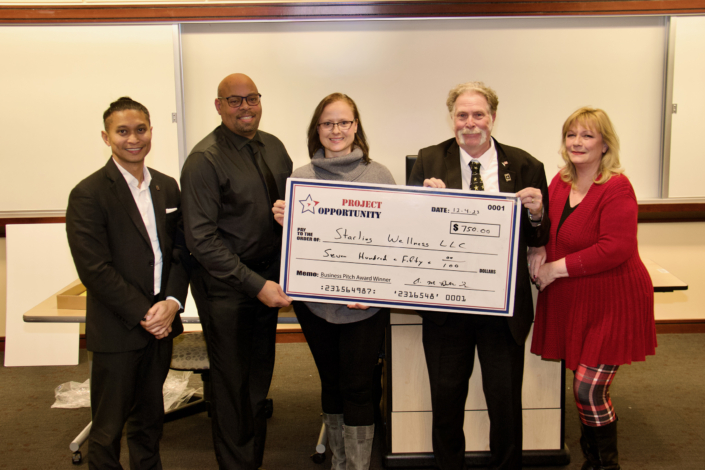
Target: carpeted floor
660, 403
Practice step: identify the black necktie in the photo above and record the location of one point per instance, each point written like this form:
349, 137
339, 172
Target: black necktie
264, 172
476, 179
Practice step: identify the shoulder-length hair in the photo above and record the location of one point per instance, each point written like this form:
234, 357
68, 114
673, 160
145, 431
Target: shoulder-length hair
314, 141
598, 121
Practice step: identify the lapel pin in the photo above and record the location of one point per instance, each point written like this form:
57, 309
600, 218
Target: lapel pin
505, 163
157, 187
507, 177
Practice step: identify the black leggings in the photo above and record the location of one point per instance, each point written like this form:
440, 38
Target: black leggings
345, 355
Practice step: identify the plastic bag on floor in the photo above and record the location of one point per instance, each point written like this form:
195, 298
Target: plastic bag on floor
73, 395
176, 389
78, 395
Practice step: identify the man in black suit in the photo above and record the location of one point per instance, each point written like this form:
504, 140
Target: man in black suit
230, 181
123, 229
474, 160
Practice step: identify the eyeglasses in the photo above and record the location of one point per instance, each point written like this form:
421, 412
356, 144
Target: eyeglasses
235, 101
342, 125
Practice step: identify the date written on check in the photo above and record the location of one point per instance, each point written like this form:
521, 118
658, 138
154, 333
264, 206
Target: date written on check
397, 246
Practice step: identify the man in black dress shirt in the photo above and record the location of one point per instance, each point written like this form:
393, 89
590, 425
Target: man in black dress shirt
230, 181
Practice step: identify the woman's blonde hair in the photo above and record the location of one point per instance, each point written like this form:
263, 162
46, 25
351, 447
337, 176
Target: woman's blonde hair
598, 121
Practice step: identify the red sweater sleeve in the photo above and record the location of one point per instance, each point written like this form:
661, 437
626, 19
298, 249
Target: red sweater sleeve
616, 241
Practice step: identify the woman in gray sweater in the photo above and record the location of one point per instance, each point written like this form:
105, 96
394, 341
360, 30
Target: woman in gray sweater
345, 340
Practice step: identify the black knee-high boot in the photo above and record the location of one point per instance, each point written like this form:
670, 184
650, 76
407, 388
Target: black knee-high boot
599, 446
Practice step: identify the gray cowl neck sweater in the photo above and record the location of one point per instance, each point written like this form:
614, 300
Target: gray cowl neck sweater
349, 167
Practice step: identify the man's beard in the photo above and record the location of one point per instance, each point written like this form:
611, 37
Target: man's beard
484, 134
463, 132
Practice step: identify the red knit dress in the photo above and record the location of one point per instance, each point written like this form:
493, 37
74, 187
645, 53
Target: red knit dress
603, 312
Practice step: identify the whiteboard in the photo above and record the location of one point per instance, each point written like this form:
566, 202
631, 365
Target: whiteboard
687, 164
399, 73
56, 81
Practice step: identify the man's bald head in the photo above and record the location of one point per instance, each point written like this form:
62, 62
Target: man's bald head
243, 120
234, 79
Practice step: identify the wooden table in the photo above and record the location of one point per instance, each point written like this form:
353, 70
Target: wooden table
288, 328
663, 280
47, 312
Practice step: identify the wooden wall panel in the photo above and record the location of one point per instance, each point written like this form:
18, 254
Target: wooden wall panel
672, 212
29, 220
84, 13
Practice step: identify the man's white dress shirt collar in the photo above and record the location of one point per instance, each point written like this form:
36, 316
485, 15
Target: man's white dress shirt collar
489, 171
143, 199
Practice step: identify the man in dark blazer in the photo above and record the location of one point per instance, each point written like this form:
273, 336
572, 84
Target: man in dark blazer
123, 229
474, 160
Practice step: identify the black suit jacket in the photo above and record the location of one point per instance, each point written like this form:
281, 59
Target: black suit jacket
517, 170
114, 258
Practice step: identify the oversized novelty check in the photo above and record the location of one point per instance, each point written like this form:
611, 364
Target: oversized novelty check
400, 246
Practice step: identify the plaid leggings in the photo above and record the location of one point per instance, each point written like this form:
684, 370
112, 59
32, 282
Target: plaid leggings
591, 386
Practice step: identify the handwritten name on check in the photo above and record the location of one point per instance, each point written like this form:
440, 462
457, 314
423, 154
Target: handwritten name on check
399, 246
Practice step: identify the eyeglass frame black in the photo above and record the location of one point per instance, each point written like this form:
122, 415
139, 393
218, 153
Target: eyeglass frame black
333, 124
242, 98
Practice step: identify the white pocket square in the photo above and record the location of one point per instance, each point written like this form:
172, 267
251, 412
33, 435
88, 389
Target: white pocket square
170, 210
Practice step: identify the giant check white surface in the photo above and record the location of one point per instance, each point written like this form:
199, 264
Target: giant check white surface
400, 246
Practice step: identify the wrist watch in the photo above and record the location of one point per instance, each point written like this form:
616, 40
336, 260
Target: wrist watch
536, 221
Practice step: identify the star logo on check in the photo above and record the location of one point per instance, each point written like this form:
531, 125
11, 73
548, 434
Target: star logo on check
309, 205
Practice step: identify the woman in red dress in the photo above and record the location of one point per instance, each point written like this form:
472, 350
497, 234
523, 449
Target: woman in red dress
596, 305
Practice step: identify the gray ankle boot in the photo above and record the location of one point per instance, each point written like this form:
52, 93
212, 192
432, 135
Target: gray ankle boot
358, 446
336, 444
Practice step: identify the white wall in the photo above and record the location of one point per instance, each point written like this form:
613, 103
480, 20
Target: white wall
39, 264
63, 77
399, 73
56, 81
679, 248
687, 151
3, 286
